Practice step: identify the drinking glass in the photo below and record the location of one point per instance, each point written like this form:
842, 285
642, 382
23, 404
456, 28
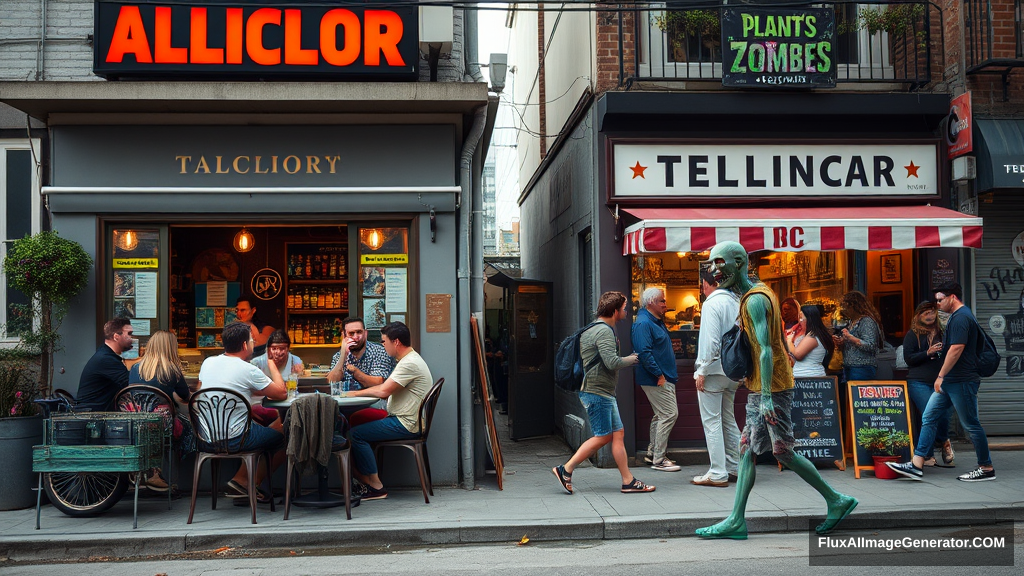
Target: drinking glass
335, 389
293, 385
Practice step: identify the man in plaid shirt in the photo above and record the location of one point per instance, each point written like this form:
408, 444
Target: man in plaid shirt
365, 365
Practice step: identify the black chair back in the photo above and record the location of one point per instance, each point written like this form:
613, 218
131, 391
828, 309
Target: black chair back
145, 398
428, 405
221, 419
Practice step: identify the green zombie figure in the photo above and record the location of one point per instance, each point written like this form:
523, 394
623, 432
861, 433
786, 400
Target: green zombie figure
769, 425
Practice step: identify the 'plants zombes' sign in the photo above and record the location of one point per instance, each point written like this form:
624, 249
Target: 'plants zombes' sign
778, 48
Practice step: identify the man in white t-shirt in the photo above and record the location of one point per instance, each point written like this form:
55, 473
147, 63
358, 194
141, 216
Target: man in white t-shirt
233, 371
404, 389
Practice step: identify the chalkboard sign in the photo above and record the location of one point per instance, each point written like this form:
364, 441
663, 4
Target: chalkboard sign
878, 404
817, 425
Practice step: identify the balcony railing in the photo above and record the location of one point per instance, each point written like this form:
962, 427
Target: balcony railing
895, 42
993, 38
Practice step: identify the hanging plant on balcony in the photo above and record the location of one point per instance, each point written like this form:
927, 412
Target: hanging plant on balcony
683, 25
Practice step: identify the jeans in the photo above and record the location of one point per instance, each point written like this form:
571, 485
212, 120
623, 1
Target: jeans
920, 392
666, 411
964, 397
859, 372
717, 413
385, 429
603, 413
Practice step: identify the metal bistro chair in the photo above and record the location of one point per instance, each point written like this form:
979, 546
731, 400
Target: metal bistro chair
340, 449
222, 419
63, 394
145, 398
418, 445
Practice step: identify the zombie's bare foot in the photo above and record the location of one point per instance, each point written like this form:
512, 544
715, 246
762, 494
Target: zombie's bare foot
837, 510
728, 528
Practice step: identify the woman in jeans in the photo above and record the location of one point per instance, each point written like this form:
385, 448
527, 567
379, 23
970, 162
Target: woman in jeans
862, 339
922, 349
598, 394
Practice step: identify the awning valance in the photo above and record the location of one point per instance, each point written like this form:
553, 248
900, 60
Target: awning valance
999, 145
796, 229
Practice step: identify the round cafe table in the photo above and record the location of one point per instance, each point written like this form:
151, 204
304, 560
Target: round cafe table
322, 498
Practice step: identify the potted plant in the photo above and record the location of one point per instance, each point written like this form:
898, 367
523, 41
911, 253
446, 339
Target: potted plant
20, 427
50, 270
884, 445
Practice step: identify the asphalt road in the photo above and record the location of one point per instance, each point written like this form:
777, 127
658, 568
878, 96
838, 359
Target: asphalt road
762, 555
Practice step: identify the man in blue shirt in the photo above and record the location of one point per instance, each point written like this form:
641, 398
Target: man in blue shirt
656, 374
957, 385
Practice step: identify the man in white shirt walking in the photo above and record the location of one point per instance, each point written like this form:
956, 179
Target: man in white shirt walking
716, 394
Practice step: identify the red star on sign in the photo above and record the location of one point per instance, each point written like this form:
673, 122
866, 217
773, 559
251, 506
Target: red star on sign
638, 170
912, 170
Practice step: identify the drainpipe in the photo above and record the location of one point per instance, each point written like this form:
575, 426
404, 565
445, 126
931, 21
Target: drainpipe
469, 44
466, 241
41, 59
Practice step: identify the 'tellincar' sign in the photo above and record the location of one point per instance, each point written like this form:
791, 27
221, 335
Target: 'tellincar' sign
778, 48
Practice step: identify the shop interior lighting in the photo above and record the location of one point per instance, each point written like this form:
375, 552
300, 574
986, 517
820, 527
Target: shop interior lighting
244, 240
126, 240
375, 239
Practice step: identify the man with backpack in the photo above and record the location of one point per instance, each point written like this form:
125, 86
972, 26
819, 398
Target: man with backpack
966, 357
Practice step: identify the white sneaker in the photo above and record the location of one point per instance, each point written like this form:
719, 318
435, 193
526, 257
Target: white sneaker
666, 465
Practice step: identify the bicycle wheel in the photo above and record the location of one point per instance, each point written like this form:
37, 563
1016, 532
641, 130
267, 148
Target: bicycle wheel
84, 493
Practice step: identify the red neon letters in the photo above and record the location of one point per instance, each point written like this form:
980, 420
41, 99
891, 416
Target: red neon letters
377, 34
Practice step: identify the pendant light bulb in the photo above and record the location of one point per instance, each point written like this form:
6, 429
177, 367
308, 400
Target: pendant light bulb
244, 240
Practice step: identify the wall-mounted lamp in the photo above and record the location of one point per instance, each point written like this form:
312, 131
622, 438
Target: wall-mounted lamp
126, 240
433, 225
244, 240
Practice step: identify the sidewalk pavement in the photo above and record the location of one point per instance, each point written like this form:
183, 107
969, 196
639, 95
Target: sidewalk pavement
532, 504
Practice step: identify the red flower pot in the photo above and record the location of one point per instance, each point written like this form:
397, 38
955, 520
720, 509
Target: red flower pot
882, 471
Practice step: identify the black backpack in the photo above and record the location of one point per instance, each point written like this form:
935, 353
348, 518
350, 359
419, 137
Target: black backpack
988, 357
569, 368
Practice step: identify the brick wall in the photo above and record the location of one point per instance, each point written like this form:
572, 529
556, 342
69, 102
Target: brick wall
609, 53
986, 89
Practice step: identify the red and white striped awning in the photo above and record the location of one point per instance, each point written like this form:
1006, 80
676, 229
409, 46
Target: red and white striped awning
797, 229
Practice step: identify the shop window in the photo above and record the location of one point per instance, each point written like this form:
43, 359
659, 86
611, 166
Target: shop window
134, 280
810, 277
383, 277
19, 199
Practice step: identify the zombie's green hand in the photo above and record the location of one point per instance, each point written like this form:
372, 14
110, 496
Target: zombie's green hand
768, 409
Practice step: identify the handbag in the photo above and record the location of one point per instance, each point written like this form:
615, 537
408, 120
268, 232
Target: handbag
737, 362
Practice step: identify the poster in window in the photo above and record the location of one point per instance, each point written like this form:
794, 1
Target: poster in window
373, 281
892, 272
124, 284
373, 313
145, 294
124, 307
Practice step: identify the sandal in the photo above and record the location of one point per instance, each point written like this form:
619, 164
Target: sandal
564, 478
238, 492
636, 486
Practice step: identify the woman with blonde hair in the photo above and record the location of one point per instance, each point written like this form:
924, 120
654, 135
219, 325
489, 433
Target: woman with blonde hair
862, 339
161, 368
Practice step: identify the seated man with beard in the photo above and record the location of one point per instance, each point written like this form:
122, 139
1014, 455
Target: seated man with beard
359, 365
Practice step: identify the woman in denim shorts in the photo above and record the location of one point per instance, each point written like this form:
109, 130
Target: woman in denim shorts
598, 394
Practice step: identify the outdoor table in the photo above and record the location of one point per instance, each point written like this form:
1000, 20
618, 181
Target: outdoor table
323, 498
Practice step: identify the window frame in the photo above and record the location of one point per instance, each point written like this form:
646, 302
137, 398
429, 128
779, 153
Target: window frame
7, 144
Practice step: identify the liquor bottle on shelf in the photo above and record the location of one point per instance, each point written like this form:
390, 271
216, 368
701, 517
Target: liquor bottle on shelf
300, 267
305, 298
341, 267
309, 267
290, 298
333, 270
321, 301
337, 299
344, 298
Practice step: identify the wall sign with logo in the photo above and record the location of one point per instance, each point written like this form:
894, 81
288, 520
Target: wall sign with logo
266, 284
778, 48
756, 170
959, 126
223, 38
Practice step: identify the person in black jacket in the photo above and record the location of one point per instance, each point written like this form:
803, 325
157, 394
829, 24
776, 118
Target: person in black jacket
922, 350
105, 374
